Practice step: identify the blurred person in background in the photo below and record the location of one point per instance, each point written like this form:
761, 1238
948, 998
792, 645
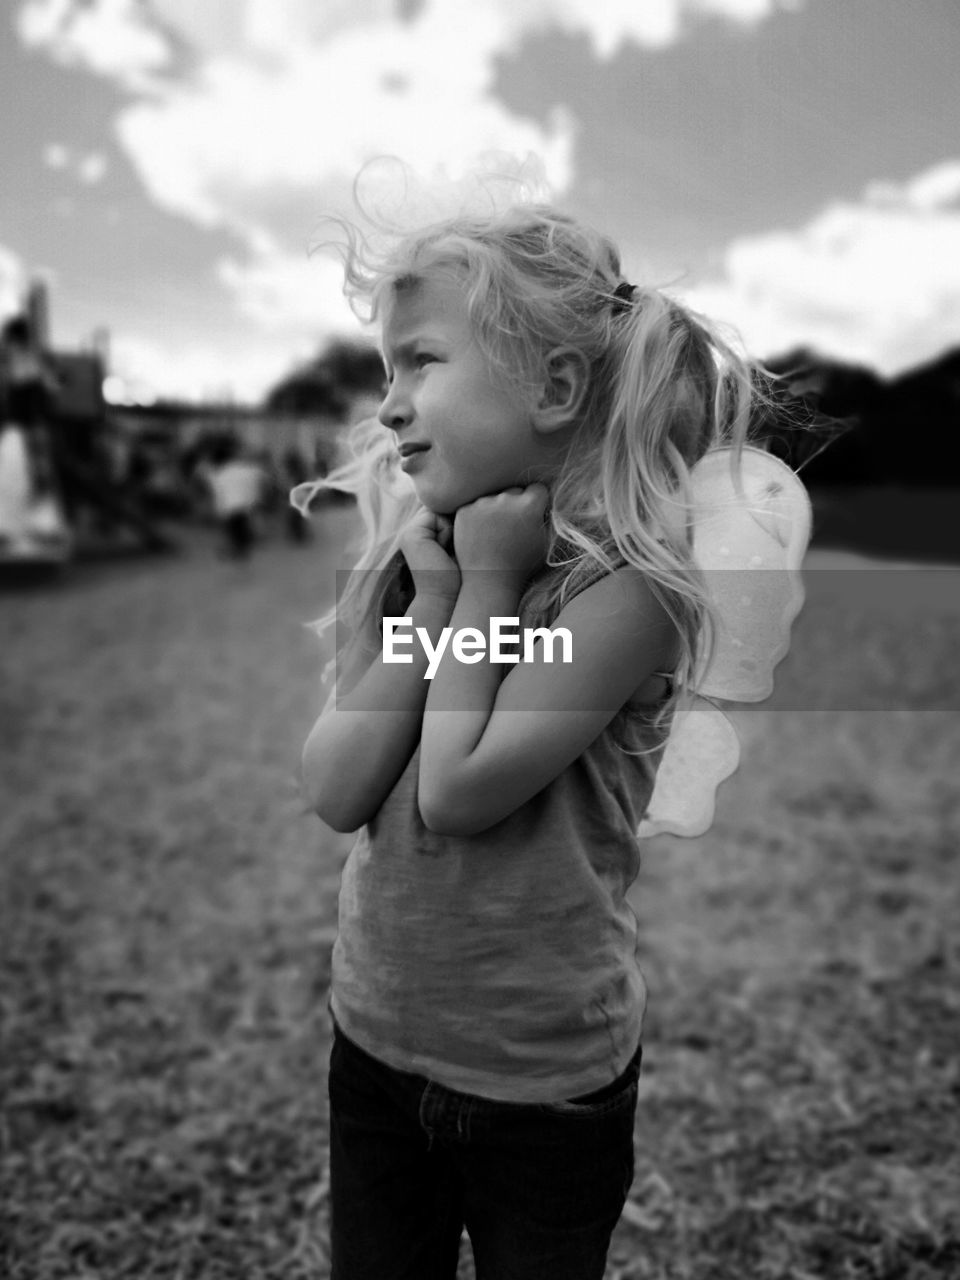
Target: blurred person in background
32, 521
28, 380
236, 487
29, 387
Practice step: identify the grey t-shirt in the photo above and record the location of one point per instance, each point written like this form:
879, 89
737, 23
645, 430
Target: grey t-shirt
503, 964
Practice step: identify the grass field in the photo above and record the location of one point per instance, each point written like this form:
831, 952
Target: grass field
167, 912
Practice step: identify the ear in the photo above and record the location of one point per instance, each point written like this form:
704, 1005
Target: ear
564, 389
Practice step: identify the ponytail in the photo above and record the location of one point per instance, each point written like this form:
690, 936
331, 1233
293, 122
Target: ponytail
679, 391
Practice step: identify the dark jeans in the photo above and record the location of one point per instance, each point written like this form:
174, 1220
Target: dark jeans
539, 1187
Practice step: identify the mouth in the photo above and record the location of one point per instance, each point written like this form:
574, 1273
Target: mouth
410, 447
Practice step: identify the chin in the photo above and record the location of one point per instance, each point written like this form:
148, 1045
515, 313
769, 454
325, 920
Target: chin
442, 504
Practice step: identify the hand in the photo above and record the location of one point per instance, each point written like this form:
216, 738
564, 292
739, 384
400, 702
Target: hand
504, 531
426, 543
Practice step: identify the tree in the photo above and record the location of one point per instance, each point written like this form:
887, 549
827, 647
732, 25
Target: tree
344, 369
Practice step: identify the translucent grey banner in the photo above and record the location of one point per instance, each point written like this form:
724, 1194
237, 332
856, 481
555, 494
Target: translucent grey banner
864, 639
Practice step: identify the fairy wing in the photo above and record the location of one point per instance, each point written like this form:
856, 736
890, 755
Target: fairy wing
751, 527
701, 751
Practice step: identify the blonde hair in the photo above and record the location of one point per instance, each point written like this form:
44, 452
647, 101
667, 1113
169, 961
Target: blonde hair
663, 387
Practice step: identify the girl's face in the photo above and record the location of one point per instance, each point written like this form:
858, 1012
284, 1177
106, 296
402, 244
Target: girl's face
461, 430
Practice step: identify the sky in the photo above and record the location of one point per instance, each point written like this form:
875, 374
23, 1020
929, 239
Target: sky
789, 167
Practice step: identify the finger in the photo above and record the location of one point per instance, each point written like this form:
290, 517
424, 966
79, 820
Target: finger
422, 518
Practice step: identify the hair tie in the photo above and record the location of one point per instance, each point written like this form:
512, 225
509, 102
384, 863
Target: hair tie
623, 296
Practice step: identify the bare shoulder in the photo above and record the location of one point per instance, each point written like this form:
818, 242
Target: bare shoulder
619, 634
625, 602
625, 599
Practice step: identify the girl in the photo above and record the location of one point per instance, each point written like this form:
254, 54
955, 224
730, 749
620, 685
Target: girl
486, 998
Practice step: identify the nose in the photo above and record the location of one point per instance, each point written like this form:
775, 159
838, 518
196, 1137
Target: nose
395, 410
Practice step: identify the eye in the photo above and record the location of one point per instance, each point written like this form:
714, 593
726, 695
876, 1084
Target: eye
424, 357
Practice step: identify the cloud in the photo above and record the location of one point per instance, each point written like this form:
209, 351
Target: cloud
876, 281
145, 369
291, 95
91, 168
214, 149
56, 155
88, 169
935, 188
289, 292
610, 24
108, 37
254, 116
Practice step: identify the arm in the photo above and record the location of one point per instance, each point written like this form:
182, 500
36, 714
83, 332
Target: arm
369, 728
488, 746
